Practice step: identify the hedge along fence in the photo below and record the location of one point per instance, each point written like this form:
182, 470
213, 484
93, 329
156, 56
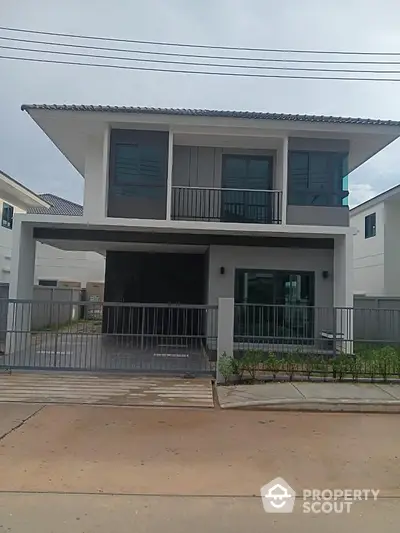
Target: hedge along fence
367, 364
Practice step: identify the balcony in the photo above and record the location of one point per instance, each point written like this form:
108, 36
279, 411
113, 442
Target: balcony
246, 206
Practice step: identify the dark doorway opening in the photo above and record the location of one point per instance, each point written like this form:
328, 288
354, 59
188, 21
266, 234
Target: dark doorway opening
168, 282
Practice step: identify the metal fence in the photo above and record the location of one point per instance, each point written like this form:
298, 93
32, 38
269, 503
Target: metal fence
226, 205
287, 327
113, 336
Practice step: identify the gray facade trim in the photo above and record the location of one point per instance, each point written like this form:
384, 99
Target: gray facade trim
319, 145
180, 238
317, 215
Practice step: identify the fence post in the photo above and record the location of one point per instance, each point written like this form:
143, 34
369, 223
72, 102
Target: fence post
225, 331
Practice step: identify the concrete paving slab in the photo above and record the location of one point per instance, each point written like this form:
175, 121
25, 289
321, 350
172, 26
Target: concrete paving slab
117, 389
274, 391
342, 391
12, 415
68, 513
393, 390
332, 397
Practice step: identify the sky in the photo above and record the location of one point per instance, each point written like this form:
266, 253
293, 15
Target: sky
363, 25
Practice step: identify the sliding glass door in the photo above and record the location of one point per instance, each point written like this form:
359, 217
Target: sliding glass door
245, 182
274, 304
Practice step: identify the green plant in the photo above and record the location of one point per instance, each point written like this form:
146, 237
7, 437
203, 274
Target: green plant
385, 360
308, 364
225, 366
291, 364
355, 364
273, 364
340, 366
251, 362
322, 366
237, 368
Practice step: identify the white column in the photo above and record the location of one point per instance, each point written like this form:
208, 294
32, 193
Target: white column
282, 176
21, 286
169, 173
343, 288
96, 176
225, 330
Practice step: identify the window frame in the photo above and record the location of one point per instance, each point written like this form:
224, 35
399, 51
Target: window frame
7, 222
370, 228
335, 196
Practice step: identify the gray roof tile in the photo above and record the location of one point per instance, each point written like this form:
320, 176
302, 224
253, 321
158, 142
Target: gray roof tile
213, 113
58, 206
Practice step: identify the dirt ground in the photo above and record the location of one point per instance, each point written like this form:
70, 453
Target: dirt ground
123, 450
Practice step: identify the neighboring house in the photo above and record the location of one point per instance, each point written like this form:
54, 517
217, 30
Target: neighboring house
53, 267
190, 206
377, 245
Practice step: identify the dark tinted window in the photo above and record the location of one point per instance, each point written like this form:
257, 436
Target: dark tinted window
317, 178
370, 225
7, 216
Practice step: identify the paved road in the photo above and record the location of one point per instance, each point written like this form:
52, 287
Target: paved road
38, 513
175, 470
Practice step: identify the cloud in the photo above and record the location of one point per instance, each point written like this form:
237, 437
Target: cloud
27, 155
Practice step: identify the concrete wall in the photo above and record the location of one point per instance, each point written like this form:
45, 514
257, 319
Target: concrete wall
67, 266
368, 254
46, 314
392, 249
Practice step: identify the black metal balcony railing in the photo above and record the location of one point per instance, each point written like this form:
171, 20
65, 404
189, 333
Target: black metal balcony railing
247, 206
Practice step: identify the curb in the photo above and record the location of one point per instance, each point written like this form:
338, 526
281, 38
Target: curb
319, 405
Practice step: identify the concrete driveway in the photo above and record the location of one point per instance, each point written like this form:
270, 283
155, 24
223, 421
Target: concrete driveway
83, 468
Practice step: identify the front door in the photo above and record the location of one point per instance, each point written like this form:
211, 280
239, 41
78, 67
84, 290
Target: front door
246, 180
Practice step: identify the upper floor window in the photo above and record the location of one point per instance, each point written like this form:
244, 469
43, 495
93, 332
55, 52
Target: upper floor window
317, 178
370, 225
7, 216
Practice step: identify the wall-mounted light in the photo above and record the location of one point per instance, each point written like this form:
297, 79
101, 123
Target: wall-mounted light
325, 274
222, 270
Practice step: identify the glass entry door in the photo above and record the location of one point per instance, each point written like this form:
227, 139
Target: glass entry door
246, 180
275, 304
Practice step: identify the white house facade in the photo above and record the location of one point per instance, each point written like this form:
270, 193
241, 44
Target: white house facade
376, 246
195, 207
53, 267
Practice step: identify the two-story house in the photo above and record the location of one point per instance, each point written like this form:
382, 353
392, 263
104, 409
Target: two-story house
377, 244
190, 206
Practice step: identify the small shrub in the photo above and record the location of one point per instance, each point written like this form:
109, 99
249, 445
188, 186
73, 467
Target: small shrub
385, 360
322, 366
355, 366
291, 364
251, 362
340, 366
273, 364
225, 366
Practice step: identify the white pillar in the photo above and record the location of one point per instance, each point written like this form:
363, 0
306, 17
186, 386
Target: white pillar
284, 167
225, 330
169, 174
21, 286
96, 176
343, 288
